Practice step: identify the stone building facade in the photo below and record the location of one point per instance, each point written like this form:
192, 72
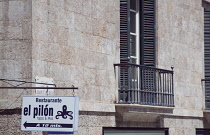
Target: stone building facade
77, 42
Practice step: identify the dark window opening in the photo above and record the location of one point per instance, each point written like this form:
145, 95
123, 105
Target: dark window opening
134, 131
202, 131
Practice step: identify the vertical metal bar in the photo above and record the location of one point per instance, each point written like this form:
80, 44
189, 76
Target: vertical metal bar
133, 85
146, 89
152, 86
155, 91
148, 86
162, 92
143, 85
164, 89
129, 83
206, 90
136, 89
159, 88
173, 88
162, 100
155, 88
138, 92
167, 88
124, 83
136, 84
119, 84
125, 87
166, 95
206, 94
170, 103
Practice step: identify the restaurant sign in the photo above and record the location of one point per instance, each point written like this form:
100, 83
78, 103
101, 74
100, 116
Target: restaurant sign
50, 113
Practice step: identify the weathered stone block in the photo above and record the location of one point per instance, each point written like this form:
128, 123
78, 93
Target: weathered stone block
20, 68
14, 50
40, 31
40, 11
1, 11
15, 13
83, 23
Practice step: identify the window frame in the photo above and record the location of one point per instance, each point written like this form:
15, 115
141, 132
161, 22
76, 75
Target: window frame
147, 32
136, 34
135, 128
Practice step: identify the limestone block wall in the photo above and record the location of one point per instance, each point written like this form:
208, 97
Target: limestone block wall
77, 43
10, 125
182, 125
73, 42
181, 44
15, 46
92, 123
15, 39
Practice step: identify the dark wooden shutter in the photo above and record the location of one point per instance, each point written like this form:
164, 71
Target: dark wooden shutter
124, 30
207, 42
147, 38
124, 49
148, 33
207, 54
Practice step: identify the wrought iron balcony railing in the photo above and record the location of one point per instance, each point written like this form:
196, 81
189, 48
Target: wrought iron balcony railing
144, 85
206, 84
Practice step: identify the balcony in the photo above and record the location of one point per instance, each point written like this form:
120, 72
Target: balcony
144, 85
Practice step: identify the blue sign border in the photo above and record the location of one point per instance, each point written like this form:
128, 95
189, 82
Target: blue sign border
51, 132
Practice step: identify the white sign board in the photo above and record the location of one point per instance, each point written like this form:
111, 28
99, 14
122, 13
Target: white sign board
50, 113
44, 91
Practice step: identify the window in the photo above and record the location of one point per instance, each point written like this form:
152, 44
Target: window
202, 131
137, 32
139, 81
130, 131
137, 40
